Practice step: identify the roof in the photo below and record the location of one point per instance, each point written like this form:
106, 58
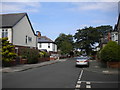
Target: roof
9, 20
44, 39
117, 25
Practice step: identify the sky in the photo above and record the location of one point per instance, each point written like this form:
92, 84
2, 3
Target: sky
52, 18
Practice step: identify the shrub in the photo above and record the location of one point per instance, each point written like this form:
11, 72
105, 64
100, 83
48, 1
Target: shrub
43, 54
98, 55
32, 55
110, 52
7, 51
46, 54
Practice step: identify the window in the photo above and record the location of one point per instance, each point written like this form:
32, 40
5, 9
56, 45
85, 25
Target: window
48, 45
40, 45
16, 50
53, 47
26, 39
4, 33
115, 33
30, 39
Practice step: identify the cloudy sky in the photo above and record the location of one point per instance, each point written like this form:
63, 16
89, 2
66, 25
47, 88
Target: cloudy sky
52, 18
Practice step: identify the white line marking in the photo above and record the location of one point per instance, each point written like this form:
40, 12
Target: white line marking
88, 86
81, 74
77, 89
101, 81
77, 86
79, 82
87, 82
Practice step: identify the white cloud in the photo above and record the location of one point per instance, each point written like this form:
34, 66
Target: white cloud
8, 7
99, 6
61, 0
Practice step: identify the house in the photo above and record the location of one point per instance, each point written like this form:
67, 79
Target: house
115, 35
17, 27
46, 44
104, 40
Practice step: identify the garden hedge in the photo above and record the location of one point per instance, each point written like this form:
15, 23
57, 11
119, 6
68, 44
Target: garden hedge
111, 52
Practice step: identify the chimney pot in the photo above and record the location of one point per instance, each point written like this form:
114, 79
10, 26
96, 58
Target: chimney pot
38, 34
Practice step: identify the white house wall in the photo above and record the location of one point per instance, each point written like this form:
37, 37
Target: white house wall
20, 31
55, 47
114, 36
45, 46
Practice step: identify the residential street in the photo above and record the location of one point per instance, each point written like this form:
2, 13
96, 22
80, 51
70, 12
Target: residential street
62, 75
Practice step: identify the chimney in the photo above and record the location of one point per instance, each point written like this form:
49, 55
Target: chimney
109, 36
38, 34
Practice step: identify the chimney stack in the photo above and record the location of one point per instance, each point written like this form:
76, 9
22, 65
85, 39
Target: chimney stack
109, 36
38, 34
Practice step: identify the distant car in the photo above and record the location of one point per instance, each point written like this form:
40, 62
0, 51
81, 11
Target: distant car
82, 61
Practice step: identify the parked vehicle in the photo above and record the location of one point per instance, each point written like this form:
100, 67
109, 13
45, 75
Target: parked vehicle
82, 61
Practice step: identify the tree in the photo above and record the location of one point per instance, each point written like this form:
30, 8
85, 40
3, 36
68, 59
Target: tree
87, 37
65, 43
7, 51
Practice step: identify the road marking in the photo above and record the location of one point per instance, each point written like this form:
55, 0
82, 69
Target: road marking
77, 89
79, 82
88, 86
101, 81
87, 82
81, 75
77, 86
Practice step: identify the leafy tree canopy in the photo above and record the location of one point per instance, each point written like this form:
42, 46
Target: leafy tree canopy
65, 43
88, 36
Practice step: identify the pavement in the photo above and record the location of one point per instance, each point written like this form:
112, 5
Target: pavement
24, 67
96, 66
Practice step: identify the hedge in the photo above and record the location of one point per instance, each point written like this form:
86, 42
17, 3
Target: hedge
32, 55
111, 52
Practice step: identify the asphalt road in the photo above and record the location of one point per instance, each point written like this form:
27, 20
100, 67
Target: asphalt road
60, 75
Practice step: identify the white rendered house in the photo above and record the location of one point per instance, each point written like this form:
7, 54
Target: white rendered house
114, 36
18, 29
44, 43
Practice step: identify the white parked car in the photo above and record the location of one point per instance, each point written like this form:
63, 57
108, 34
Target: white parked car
82, 61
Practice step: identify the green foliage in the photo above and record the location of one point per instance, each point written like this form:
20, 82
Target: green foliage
98, 55
111, 52
7, 51
88, 36
43, 54
65, 43
31, 55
